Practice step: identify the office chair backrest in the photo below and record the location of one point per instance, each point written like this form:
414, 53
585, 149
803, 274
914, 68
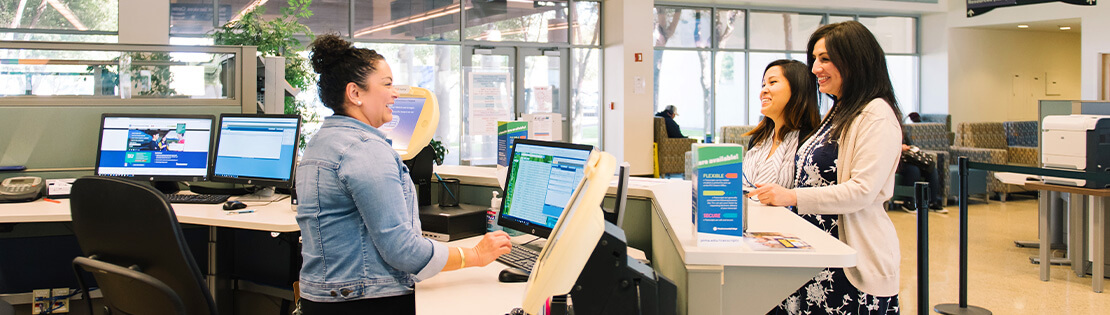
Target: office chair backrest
144, 294
126, 223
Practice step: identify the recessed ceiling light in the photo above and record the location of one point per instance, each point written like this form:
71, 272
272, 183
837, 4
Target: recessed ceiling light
1064, 28
1023, 26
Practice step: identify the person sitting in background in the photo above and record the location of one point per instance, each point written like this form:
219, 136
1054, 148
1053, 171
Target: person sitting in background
913, 165
789, 108
914, 117
668, 115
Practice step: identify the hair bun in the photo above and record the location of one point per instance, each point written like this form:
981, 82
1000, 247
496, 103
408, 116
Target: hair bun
327, 50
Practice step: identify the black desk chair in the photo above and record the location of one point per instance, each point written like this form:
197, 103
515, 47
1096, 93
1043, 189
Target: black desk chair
131, 226
144, 294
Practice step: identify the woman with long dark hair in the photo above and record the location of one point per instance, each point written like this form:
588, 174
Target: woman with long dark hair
788, 102
845, 172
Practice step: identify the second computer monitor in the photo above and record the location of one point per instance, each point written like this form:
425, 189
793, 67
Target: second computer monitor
541, 178
258, 149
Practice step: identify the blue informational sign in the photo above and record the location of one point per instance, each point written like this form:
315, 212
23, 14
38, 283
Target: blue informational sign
406, 112
978, 7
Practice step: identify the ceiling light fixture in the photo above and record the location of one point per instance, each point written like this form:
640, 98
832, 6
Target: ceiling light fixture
1023, 26
1064, 28
451, 9
247, 9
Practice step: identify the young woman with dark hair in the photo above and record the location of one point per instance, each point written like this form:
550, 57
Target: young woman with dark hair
844, 174
789, 106
362, 250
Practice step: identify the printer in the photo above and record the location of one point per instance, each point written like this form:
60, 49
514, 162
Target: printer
1076, 143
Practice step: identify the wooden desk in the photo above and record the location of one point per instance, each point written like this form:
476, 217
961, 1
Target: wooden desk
1098, 208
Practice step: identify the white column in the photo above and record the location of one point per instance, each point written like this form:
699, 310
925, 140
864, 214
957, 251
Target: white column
144, 22
628, 103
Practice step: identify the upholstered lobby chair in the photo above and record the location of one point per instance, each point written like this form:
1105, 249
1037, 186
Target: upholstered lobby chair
985, 142
933, 138
735, 134
671, 151
132, 226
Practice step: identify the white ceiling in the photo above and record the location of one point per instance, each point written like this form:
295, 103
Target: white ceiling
1039, 26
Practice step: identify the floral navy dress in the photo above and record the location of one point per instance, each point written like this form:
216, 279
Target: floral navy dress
829, 292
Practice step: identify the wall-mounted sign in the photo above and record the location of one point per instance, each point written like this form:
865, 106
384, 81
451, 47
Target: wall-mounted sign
978, 7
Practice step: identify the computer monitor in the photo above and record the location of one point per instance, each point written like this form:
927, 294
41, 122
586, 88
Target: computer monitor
616, 214
256, 149
588, 254
155, 147
542, 176
574, 237
415, 118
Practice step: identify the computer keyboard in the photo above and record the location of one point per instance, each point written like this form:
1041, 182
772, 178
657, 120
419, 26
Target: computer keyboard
197, 198
520, 257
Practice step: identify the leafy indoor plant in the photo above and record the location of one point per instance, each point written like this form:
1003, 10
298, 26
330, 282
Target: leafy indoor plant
277, 37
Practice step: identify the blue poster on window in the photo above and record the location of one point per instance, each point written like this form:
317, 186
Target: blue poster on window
978, 7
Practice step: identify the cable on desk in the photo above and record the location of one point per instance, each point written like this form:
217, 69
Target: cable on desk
530, 242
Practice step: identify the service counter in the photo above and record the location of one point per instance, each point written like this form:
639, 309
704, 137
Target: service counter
710, 280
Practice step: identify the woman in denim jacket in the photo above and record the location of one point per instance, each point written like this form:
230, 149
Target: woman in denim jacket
362, 249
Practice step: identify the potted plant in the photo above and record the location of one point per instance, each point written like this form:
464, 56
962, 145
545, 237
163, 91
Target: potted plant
277, 37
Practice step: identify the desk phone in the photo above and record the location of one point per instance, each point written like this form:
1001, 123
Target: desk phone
21, 189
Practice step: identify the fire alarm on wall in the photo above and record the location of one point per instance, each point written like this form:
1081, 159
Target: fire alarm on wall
639, 57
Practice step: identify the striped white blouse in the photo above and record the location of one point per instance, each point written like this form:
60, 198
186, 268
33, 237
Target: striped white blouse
777, 168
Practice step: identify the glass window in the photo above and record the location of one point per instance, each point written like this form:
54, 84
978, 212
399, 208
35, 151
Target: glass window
436, 68
419, 20
730, 29
328, 16
586, 83
903, 76
80, 15
896, 35
113, 74
840, 18
60, 37
587, 19
680, 27
731, 99
518, 21
689, 91
782, 30
194, 17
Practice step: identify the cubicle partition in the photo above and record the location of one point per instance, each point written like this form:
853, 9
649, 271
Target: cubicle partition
51, 98
52, 95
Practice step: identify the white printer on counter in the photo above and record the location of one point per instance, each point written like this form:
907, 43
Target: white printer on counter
1076, 143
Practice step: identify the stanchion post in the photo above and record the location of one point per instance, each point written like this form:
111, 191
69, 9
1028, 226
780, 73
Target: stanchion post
921, 199
962, 308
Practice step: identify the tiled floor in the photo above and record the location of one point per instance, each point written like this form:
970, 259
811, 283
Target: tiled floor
1001, 279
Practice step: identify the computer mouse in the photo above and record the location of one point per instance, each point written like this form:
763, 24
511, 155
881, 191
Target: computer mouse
512, 275
234, 205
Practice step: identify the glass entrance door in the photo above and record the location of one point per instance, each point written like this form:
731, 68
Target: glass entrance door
505, 83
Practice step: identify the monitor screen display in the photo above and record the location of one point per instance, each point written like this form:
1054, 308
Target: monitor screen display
256, 149
161, 147
542, 177
406, 113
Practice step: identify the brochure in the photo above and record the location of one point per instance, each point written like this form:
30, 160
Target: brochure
775, 241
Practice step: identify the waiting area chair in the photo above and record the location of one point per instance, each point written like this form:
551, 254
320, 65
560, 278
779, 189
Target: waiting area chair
671, 152
130, 238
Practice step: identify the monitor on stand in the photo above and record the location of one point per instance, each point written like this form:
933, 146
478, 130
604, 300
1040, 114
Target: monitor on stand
415, 119
586, 259
160, 148
259, 150
541, 178
616, 214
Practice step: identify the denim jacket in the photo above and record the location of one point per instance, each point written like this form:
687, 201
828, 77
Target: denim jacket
358, 217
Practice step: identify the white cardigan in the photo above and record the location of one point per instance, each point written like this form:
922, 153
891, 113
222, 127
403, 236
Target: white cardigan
867, 162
